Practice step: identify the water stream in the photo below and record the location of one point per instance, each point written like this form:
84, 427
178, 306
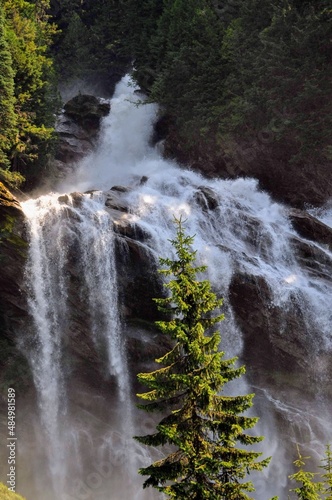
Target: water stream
243, 231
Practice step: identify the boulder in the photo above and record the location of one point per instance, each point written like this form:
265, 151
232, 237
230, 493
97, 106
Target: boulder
87, 110
310, 228
77, 129
206, 198
115, 201
120, 189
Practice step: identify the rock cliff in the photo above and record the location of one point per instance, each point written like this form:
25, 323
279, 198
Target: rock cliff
77, 129
263, 157
14, 318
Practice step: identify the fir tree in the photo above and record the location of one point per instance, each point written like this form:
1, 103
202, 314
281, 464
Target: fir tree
203, 425
7, 98
307, 489
327, 477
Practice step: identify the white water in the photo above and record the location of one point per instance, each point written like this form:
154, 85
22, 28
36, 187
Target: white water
53, 235
246, 232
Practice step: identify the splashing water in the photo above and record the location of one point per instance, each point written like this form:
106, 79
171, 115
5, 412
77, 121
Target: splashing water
238, 230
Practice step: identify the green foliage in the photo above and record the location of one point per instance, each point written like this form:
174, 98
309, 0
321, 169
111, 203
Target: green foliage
327, 476
203, 425
190, 70
75, 51
307, 489
89, 43
27, 102
6, 494
12, 179
279, 57
8, 129
234, 70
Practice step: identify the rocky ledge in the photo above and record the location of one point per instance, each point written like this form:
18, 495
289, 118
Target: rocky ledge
77, 129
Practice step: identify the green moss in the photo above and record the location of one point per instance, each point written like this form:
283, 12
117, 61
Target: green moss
7, 235
13, 179
6, 494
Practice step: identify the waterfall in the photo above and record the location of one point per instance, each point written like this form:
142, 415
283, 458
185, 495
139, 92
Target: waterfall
238, 230
48, 305
62, 229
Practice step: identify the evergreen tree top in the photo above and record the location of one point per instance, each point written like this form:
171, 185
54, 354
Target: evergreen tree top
203, 424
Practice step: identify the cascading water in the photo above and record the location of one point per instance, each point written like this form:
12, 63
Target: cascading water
53, 238
48, 304
238, 230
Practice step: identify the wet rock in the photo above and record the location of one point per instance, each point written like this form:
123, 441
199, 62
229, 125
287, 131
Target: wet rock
145, 343
121, 189
77, 199
77, 129
311, 228
139, 279
206, 198
74, 142
317, 262
143, 180
273, 338
64, 199
74, 199
126, 227
115, 201
161, 129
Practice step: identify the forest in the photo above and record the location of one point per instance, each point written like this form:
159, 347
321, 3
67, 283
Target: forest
235, 79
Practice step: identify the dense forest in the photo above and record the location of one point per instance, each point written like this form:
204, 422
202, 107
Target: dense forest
235, 79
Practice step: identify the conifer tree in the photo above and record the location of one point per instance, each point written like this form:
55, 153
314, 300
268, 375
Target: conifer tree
7, 98
203, 425
308, 489
327, 477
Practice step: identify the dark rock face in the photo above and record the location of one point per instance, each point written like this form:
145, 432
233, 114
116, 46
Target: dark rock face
270, 336
263, 158
13, 254
77, 128
274, 338
14, 318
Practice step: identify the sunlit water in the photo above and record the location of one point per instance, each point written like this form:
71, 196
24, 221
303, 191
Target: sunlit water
244, 232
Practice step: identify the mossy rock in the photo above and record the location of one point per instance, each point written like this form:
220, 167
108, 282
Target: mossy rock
7, 200
6, 494
11, 217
